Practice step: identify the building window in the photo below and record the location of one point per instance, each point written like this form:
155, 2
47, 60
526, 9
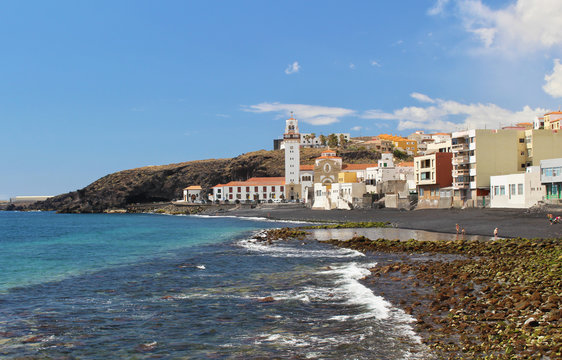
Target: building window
282, 189
420, 192
247, 189
265, 189
511, 189
273, 188
230, 196
519, 189
521, 140
256, 189
239, 189
230, 189
502, 189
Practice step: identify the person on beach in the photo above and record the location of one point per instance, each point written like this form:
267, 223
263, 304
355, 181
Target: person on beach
496, 233
458, 228
552, 219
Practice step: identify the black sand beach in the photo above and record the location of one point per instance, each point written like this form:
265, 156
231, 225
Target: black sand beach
510, 222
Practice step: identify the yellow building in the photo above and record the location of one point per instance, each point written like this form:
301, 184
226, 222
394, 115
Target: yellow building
347, 177
408, 145
479, 154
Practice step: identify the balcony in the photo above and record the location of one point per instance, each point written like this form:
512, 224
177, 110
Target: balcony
461, 185
457, 160
460, 147
464, 172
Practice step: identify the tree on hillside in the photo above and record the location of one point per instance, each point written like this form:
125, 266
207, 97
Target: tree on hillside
400, 154
312, 137
323, 140
332, 140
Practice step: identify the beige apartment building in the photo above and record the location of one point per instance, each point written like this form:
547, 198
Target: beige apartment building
480, 153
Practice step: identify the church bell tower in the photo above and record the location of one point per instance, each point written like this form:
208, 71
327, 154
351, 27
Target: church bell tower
292, 140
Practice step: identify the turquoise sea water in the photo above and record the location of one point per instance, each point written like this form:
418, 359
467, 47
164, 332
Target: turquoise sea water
41, 246
108, 286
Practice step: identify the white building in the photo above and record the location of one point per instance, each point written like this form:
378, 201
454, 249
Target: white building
441, 137
444, 146
258, 189
520, 190
192, 194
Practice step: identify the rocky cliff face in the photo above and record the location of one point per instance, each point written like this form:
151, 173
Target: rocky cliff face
165, 182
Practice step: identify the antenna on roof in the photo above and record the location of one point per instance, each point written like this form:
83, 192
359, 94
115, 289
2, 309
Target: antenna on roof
291, 114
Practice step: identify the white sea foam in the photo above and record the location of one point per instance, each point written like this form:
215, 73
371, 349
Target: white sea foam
283, 339
201, 267
348, 285
275, 250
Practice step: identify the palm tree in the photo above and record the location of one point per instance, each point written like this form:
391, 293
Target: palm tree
323, 140
312, 137
343, 141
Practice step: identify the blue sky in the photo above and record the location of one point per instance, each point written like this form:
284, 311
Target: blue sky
92, 87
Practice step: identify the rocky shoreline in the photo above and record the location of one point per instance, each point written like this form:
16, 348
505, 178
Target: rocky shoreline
498, 299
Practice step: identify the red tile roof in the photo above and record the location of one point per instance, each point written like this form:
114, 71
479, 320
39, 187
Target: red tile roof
307, 167
257, 181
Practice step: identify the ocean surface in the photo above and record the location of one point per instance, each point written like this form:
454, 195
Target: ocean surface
100, 286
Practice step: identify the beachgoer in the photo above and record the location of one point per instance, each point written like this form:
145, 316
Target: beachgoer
496, 232
458, 228
462, 231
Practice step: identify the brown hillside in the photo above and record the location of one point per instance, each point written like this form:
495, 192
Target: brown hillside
165, 182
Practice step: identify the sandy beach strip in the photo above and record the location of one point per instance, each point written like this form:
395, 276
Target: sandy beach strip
510, 222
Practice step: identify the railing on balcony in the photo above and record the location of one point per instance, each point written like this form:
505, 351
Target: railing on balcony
460, 160
461, 172
460, 147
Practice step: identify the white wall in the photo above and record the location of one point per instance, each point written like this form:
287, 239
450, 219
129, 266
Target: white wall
527, 186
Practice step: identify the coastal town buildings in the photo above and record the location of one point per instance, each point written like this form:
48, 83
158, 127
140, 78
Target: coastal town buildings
401, 143
481, 153
311, 140
443, 146
433, 175
552, 120
551, 178
329, 169
192, 194
521, 190
256, 189
376, 144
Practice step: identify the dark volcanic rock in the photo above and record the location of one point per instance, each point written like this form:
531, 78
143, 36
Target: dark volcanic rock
164, 183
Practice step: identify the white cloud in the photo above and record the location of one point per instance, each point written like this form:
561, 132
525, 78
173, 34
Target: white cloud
553, 86
352, 66
374, 63
438, 7
520, 27
311, 114
422, 97
357, 128
447, 115
293, 68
